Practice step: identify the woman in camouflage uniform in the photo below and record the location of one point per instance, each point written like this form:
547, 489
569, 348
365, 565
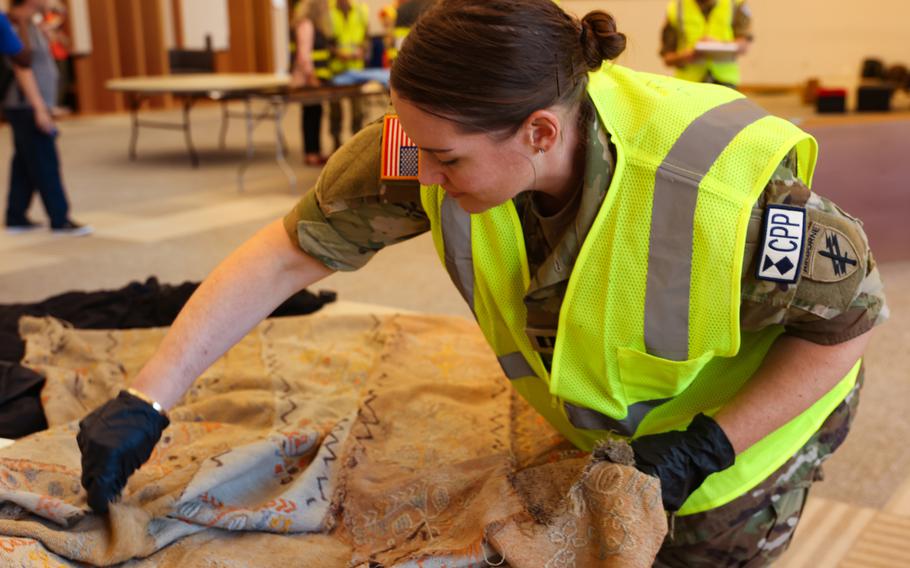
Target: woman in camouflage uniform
496, 129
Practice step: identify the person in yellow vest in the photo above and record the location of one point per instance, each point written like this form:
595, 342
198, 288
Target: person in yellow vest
405, 18
387, 16
703, 39
310, 68
349, 20
643, 254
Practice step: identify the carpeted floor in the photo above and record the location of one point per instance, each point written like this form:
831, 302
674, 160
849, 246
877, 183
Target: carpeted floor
158, 216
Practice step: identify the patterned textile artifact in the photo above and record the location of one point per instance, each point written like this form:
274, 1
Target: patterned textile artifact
325, 440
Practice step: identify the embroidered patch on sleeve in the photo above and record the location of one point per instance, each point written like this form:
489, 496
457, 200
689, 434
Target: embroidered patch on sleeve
400, 156
781, 253
830, 255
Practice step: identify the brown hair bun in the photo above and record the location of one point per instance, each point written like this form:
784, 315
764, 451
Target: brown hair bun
599, 38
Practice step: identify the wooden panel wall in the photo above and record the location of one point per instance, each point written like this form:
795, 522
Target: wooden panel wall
103, 63
241, 56
128, 39
262, 31
153, 54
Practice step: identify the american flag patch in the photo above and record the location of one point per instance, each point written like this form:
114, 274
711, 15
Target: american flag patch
400, 156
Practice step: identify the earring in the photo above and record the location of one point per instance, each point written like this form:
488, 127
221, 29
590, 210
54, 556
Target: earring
541, 151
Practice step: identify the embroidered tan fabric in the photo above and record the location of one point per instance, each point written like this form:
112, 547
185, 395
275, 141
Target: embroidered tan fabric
322, 441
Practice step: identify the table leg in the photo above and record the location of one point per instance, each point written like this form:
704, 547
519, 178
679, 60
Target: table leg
187, 106
250, 149
135, 101
279, 108
250, 127
225, 119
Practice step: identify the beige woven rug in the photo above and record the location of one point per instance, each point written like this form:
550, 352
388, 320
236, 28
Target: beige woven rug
322, 441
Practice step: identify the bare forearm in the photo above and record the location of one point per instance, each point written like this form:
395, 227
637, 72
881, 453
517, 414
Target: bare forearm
795, 374
678, 58
244, 289
743, 44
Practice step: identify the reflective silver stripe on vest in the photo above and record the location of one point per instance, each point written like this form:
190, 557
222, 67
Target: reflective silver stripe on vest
456, 237
588, 419
666, 325
516, 366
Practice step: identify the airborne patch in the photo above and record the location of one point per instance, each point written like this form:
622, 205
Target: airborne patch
831, 255
781, 253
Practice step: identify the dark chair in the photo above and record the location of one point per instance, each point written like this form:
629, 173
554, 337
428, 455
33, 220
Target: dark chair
873, 69
874, 98
186, 61
897, 75
183, 61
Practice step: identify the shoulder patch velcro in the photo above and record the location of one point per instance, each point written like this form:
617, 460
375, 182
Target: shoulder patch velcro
781, 254
831, 256
400, 156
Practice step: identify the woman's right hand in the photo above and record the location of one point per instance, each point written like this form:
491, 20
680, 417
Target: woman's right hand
115, 440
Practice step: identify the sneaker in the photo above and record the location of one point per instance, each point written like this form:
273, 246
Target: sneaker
315, 160
71, 229
17, 228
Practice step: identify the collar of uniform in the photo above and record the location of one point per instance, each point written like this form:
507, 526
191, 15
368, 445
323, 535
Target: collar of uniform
599, 163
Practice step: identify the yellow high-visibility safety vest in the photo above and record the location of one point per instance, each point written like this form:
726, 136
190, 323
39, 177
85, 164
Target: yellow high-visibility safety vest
399, 34
695, 27
649, 331
321, 59
320, 56
350, 33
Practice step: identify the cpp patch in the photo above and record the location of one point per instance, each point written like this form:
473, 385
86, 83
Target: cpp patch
781, 253
831, 255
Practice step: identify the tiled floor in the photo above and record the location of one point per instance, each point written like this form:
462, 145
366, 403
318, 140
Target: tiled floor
833, 533
158, 216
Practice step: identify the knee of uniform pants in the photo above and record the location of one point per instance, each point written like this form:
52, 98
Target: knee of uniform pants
756, 528
787, 511
751, 536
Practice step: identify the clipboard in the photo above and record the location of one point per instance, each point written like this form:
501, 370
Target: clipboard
727, 48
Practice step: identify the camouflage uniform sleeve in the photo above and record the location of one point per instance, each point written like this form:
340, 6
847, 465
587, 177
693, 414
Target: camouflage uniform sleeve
742, 21
668, 39
839, 294
350, 215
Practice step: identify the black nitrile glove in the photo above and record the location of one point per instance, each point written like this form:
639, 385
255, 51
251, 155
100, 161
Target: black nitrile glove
115, 440
682, 460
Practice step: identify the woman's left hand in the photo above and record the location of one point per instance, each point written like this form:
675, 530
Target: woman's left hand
683, 460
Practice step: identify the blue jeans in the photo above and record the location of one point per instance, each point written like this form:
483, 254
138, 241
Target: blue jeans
35, 166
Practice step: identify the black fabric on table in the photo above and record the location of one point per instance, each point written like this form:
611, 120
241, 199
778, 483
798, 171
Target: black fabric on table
137, 305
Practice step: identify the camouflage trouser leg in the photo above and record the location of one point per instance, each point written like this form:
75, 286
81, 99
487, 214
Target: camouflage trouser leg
755, 529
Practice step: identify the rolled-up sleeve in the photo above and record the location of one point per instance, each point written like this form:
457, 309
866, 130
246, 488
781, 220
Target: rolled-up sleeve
350, 215
839, 294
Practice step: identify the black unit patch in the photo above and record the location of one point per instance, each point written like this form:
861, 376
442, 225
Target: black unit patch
781, 253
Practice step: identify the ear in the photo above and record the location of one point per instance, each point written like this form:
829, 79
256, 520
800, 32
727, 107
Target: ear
542, 130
